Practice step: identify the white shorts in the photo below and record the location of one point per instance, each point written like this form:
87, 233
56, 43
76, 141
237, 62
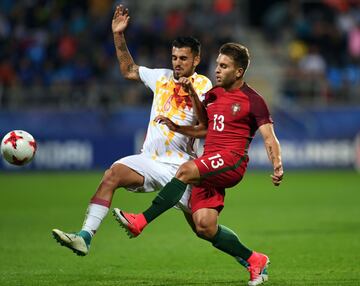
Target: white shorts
156, 176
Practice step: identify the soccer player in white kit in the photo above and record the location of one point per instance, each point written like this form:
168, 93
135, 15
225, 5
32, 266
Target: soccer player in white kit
163, 150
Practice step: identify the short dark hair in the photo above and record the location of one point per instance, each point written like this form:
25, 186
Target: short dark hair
188, 42
239, 54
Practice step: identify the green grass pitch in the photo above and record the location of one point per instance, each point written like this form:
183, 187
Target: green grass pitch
310, 228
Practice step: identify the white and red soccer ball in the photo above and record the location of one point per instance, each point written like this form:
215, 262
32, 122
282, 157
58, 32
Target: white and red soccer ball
18, 147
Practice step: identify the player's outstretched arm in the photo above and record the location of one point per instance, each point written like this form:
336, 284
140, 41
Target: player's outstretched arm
196, 131
273, 150
120, 21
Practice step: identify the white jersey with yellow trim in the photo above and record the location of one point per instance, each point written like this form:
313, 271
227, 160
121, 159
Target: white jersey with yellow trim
172, 101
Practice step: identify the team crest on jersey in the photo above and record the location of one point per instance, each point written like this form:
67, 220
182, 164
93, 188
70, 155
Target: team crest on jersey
235, 108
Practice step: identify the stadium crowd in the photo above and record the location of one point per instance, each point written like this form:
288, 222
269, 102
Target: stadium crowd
60, 53
322, 48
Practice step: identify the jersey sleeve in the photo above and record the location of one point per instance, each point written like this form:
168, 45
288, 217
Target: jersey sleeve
210, 96
204, 87
150, 76
260, 111
208, 86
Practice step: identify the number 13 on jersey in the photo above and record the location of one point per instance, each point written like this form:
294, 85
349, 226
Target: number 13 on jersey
219, 122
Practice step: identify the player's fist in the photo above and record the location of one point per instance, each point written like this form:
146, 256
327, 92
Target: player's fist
187, 86
166, 121
120, 20
278, 175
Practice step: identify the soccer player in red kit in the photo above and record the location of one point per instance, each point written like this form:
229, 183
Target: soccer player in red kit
229, 117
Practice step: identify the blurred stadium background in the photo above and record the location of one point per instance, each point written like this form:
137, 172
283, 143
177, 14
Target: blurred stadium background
59, 76
59, 80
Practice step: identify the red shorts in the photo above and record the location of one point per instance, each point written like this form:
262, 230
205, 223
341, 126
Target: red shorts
218, 171
222, 169
206, 197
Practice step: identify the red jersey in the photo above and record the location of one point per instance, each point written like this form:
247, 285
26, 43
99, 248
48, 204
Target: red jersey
233, 118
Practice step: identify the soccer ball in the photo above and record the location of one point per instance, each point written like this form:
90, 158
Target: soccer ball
18, 147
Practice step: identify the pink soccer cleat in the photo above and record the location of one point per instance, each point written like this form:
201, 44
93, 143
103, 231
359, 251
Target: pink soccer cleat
258, 264
132, 223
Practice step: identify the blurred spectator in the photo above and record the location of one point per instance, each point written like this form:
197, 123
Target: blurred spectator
313, 63
175, 22
67, 47
354, 42
26, 72
7, 73
223, 7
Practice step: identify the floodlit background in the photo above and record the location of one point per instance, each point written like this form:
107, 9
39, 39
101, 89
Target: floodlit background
60, 81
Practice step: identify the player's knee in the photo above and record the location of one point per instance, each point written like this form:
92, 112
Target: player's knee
186, 173
111, 179
183, 173
205, 229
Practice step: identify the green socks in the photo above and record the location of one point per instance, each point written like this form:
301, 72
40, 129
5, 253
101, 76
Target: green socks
227, 241
166, 198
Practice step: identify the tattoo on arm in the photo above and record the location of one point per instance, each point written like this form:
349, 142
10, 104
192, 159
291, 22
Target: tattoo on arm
122, 47
123, 53
133, 68
127, 66
271, 154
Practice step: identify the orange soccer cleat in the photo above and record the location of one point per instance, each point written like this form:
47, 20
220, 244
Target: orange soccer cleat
132, 223
258, 264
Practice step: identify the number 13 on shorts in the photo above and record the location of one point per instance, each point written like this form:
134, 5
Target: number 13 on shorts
215, 161
222, 169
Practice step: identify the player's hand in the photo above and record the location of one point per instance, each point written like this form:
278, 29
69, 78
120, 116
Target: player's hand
187, 86
278, 175
120, 20
166, 121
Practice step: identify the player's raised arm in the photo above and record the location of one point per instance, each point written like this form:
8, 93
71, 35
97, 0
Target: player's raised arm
198, 107
273, 150
120, 21
196, 131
